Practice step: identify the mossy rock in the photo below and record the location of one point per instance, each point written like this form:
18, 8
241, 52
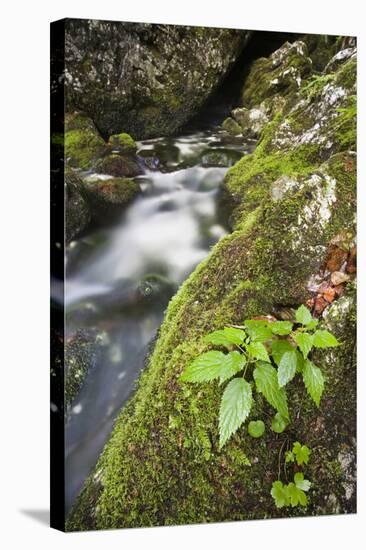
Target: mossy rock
123, 143
231, 127
118, 165
83, 144
281, 73
162, 464
108, 198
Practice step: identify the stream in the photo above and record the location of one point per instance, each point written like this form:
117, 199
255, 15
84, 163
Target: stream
119, 279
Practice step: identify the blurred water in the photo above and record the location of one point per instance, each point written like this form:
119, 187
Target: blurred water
120, 279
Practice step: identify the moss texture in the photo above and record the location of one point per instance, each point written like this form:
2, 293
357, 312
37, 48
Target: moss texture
83, 144
162, 464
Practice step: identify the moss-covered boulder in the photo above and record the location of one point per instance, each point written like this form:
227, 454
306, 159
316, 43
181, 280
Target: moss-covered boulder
294, 196
107, 198
118, 165
280, 73
83, 144
122, 143
231, 126
144, 79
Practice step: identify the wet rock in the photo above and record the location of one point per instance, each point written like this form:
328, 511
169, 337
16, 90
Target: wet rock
78, 215
80, 353
108, 198
122, 143
231, 127
220, 158
119, 166
144, 79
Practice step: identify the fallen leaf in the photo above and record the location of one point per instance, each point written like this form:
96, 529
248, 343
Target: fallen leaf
338, 277
329, 294
320, 304
336, 258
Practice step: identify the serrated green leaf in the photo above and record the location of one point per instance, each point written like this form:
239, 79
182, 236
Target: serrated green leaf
313, 380
301, 483
296, 496
301, 452
279, 347
207, 366
256, 428
226, 337
236, 364
235, 406
325, 339
287, 368
258, 331
299, 361
282, 328
290, 457
280, 495
265, 377
313, 324
303, 315
278, 423
304, 341
258, 351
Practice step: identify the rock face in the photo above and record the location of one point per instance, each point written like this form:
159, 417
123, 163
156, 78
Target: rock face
144, 79
295, 198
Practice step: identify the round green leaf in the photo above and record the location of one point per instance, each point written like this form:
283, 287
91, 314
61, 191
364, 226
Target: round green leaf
278, 423
256, 428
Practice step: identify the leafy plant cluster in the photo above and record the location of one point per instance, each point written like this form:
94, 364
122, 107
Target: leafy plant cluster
293, 493
262, 356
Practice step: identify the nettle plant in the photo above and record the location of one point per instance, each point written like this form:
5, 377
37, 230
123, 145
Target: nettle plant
264, 356
293, 493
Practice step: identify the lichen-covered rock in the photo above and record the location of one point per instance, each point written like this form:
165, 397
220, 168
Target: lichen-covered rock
294, 195
251, 121
281, 73
83, 144
78, 215
107, 198
144, 79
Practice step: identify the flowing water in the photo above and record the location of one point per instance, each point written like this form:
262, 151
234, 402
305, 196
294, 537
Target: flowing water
120, 279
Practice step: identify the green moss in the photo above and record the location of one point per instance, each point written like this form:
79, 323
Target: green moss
83, 144
124, 142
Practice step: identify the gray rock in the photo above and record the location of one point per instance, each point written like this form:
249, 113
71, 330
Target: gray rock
141, 78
